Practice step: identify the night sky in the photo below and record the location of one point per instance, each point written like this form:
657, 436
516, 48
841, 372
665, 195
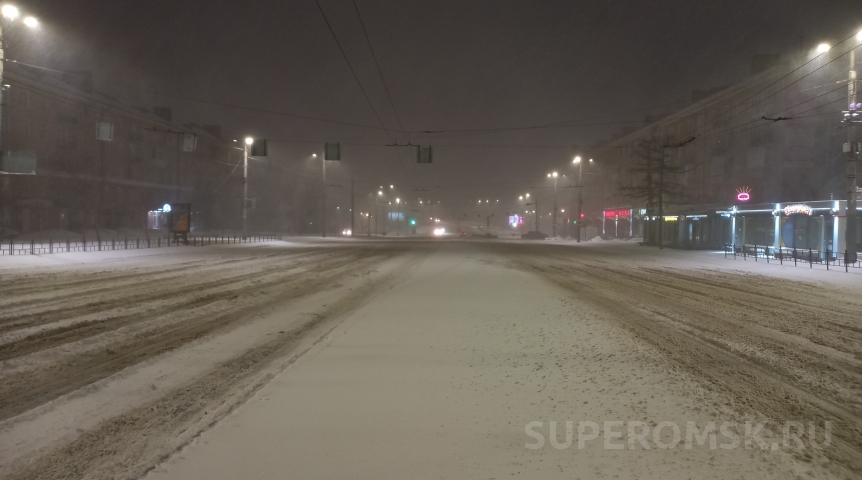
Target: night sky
448, 65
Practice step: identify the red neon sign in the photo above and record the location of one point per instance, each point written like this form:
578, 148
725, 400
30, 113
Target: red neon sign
617, 213
743, 194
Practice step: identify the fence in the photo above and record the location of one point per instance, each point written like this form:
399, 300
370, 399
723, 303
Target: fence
10, 247
796, 256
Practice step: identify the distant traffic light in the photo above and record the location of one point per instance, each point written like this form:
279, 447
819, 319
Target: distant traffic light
412, 221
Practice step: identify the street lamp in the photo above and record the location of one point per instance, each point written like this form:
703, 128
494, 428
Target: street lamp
10, 13
580, 165
248, 143
824, 47
554, 216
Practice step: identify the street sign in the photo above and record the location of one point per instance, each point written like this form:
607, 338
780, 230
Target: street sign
180, 217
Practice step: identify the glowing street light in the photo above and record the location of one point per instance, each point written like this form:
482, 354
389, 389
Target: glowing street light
249, 141
859, 36
824, 47
10, 12
577, 160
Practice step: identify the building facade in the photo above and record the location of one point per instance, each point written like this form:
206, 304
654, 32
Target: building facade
772, 139
82, 182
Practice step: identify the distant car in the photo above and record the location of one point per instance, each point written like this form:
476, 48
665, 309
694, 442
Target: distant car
462, 234
346, 232
534, 235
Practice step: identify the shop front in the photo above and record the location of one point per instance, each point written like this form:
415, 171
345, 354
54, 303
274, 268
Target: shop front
816, 225
622, 222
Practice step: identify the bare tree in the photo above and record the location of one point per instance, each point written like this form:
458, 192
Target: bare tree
656, 180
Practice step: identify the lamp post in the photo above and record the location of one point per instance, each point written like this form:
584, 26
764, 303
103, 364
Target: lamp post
554, 213
323, 227
577, 161
9, 13
248, 142
852, 150
397, 220
377, 212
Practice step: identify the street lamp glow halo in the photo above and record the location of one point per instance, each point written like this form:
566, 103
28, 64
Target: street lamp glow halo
577, 160
249, 140
31, 22
859, 36
823, 48
10, 12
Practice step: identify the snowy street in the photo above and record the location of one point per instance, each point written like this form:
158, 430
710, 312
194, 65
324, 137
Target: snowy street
422, 359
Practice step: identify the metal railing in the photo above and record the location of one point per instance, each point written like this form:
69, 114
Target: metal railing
796, 256
33, 247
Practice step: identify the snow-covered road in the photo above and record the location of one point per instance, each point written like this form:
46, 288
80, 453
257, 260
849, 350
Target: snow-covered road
422, 359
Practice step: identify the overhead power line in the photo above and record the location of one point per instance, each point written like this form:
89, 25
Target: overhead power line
779, 80
385, 88
358, 82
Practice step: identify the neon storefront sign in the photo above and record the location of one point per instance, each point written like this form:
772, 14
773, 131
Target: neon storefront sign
617, 213
797, 208
743, 194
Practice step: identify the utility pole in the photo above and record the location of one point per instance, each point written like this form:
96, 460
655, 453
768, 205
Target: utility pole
323, 228
580, 198
536, 213
352, 209
554, 214
852, 151
248, 142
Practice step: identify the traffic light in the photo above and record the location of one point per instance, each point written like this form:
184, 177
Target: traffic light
412, 221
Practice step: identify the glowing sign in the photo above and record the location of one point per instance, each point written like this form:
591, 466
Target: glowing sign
516, 220
166, 207
797, 208
671, 219
617, 213
743, 194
